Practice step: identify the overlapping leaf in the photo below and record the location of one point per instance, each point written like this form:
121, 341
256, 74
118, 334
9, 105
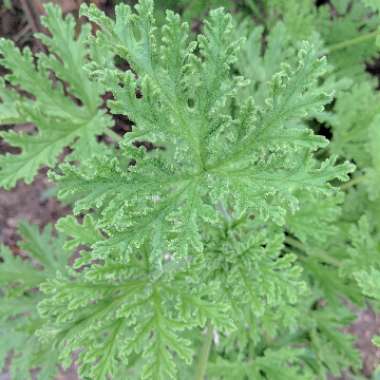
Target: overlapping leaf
255, 160
20, 279
60, 120
125, 310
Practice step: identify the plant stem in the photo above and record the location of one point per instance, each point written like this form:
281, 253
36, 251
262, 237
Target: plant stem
254, 8
351, 42
114, 136
353, 181
316, 253
200, 371
295, 243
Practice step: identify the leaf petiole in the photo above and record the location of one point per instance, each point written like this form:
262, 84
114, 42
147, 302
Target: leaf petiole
201, 367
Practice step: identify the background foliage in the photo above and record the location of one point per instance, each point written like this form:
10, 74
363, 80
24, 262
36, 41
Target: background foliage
231, 233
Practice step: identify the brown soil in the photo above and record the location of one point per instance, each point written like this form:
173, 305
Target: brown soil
27, 202
365, 327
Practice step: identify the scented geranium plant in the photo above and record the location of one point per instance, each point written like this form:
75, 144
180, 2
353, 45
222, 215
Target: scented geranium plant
235, 246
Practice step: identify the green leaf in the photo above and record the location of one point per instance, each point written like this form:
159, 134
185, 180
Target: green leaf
101, 314
84, 233
349, 36
315, 221
59, 119
369, 282
20, 280
221, 207
43, 247
15, 269
374, 4
273, 364
217, 157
